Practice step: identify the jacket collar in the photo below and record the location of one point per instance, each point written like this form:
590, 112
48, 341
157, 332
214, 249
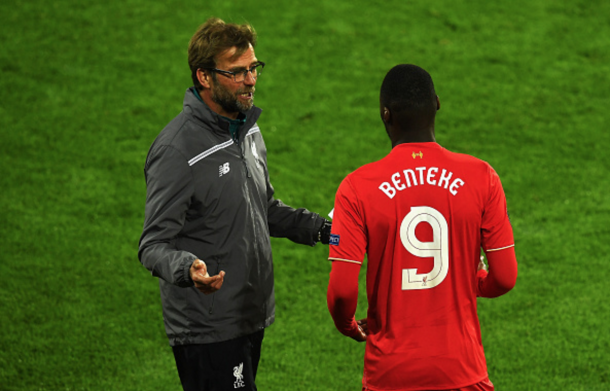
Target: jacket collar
217, 123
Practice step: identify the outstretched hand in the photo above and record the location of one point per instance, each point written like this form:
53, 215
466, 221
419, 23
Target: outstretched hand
203, 282
363, 330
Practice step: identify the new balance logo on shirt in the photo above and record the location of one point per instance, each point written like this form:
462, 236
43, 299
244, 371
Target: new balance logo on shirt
223, 169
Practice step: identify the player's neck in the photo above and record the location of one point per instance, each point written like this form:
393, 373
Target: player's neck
414, 137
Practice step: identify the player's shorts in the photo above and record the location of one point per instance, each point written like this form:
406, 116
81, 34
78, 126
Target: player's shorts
485, 385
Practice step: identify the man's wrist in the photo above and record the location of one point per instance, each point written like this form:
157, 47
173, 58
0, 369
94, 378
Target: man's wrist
324, 232
187, 268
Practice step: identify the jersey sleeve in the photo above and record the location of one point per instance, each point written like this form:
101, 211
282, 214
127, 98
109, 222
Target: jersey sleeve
348, 234
502, 274
342, 297
496, 230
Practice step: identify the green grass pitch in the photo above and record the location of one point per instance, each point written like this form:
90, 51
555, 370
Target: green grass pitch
86, 86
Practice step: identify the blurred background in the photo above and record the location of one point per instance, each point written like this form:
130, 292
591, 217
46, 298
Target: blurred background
86, 86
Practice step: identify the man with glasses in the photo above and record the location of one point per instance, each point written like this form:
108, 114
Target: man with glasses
210, 212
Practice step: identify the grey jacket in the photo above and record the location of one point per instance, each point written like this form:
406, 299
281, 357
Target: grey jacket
209, 197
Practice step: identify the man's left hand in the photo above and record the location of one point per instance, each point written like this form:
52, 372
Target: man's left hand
203, 282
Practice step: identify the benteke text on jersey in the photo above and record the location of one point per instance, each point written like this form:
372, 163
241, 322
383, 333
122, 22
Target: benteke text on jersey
418, 177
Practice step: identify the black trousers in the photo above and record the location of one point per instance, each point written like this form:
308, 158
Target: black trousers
222, 366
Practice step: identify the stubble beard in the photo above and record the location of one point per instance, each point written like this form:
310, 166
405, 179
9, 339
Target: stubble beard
230, 102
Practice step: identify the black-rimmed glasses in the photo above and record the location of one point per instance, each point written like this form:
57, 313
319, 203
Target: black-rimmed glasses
240, 76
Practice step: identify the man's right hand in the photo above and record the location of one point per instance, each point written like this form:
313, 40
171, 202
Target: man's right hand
203, 282
362, 332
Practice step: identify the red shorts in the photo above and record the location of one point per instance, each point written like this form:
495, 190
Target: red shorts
485, 385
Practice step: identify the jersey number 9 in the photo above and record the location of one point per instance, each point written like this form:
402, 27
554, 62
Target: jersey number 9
438, 248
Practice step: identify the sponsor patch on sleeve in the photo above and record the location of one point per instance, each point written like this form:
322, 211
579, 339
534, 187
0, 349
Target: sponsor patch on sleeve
334, 239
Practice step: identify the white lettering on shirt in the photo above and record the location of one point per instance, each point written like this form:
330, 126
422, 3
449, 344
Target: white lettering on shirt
444, 178
396, 182
456, 183
426, 176
421, 174
431, 175
407, 172
387, 189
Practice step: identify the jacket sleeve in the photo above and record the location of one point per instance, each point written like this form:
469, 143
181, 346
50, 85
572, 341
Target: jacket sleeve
299, 225
169, 188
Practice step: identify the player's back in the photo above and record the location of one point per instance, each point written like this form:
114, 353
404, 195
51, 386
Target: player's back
423, 208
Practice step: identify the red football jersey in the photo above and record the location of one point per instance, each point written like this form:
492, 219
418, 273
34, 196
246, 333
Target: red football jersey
421, 214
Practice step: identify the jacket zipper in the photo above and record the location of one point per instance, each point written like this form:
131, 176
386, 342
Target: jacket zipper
212, 306
252, 217
243, 158
214, 295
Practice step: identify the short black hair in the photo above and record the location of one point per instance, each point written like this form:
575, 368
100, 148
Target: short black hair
408, 88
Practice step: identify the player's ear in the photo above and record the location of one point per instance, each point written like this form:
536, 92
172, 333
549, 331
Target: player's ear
386, 115
204, 78
438, 104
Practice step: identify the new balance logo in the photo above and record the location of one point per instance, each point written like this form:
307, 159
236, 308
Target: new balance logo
223, 169
239, 377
